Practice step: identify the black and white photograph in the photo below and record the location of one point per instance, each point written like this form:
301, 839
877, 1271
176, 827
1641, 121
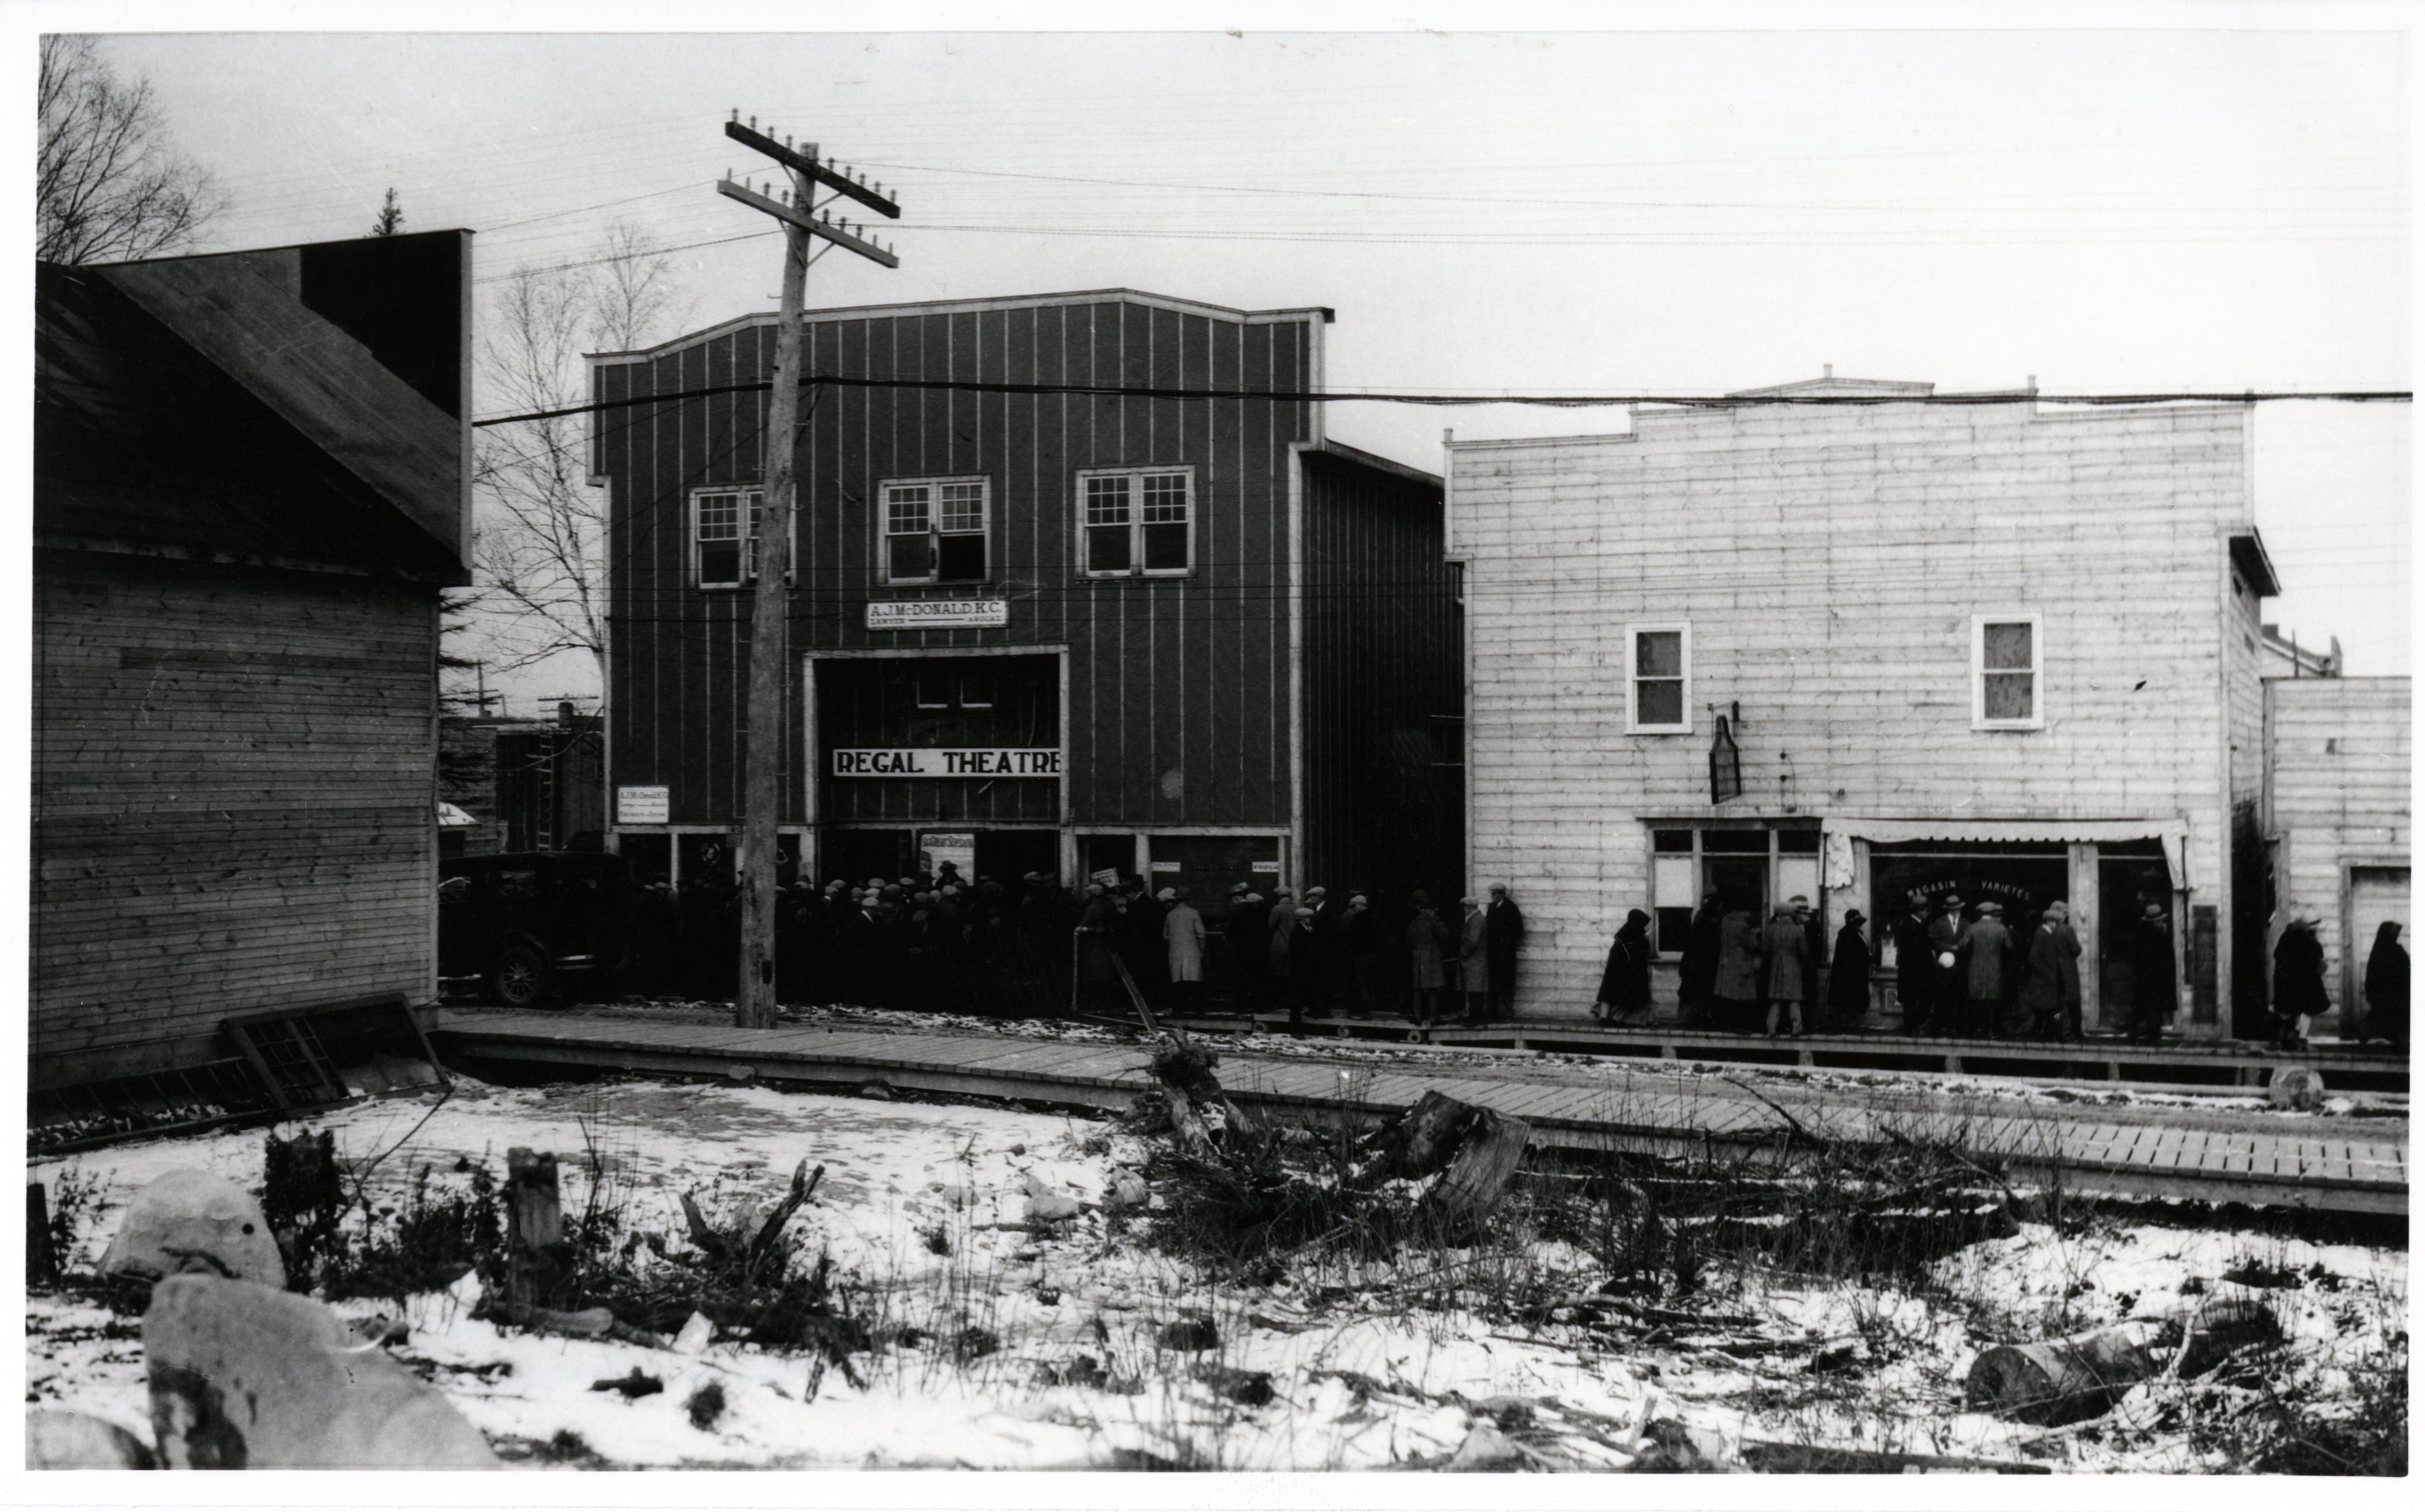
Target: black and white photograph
1534, 740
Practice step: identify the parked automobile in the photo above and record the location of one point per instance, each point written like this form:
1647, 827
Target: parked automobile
526, 926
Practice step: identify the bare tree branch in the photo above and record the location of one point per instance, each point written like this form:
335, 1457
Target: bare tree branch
107, 183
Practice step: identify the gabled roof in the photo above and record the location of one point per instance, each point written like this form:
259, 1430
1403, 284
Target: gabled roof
205, 405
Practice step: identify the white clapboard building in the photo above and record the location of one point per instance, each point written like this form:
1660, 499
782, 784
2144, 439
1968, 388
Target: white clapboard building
1872, 652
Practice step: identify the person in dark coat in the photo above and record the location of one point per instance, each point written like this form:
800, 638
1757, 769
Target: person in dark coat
1915, 972
1736, 987
1848, 978
2155, 991
1987, 959
1429, 943
1364, 938
1503, 933
2299, 994
1950, 1005
2048, 1005
1785, 944
1697, 975
1474, 960
1313, 951
2386, 989
1098, 939
1625, 982
1247, 930
1814, 955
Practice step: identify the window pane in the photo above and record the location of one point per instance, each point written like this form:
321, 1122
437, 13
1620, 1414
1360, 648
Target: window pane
1742, 842
719, 561
1672, 841
1107, 501
976, 689
1658, 653
963, 506
1675, 930
1166, 498
2012, 696
1107, 549
905, 512
906, 558
1165, 548
959, 559
719, 517
934, 688
1671, 882
1797, 842
1658, 701
2008, 646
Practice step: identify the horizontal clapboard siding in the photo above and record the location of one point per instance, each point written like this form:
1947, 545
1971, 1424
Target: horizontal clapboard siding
232, 788
2340, 751
1829, 562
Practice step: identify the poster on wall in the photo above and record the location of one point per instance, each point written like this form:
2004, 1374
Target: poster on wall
960, 847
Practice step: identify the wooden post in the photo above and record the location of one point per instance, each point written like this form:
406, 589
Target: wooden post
754, 1005
533, 1229
42, 1256
1486, 1160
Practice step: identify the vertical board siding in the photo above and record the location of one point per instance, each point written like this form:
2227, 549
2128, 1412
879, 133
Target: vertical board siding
2342, 785
234, 777
1829, 562
1381, 630
1178, 686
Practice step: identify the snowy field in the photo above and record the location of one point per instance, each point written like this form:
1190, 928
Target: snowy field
998, 1348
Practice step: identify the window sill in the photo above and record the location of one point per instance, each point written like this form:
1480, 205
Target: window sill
2006, 727
1164, 576
1658, 730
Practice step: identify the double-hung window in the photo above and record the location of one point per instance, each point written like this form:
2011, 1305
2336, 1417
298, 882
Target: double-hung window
1137, 521
724, 535
1658, 679
935, 530
2007, 690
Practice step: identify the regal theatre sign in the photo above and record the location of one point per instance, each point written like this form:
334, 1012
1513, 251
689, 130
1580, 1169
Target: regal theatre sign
934, 761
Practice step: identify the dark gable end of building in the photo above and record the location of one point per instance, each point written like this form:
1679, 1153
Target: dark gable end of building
243, 515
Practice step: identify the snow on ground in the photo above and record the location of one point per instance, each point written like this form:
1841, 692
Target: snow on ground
1361, 1376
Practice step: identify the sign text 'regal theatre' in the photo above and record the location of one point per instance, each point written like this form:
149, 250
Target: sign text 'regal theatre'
933, 762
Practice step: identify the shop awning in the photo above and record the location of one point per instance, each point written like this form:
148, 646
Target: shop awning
2172, 832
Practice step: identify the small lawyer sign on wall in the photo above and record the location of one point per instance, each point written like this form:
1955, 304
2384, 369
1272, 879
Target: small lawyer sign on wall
939, 614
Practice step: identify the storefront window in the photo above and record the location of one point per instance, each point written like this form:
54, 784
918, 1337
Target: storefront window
2024, 877
1752, 868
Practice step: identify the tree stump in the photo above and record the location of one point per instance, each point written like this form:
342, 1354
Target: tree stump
1423, 1139
1485, 1159
533, 1229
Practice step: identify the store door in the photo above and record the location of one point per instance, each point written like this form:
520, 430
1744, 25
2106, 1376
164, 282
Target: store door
2377, 895
2125, 886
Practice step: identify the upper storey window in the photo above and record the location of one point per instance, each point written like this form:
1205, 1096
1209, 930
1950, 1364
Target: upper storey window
2006, 672
1137, 521
936, 530
724, 535
1658, 675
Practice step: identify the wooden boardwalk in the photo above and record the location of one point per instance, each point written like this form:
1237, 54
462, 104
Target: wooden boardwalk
2306, 1163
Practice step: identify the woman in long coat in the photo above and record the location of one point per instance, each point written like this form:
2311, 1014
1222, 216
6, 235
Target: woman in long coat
1786, 943
2386, 989
1625, 982
2299, 993
1736, 986
1428, 941
1848, 979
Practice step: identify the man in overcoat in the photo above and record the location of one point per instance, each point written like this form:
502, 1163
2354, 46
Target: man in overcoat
1986, 961
2299, 994
2049, 1005
1785, 944
2155, 991
1505, 933
1946, 934
1697, 972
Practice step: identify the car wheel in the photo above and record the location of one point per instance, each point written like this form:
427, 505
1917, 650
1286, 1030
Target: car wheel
519, 979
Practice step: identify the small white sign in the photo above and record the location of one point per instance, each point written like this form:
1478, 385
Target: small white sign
1108, 876
1272, 867
643, 805
939, 614
960, 849
936, 762
1167, 867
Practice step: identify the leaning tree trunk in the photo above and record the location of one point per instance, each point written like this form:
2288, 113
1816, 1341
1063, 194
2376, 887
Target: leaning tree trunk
2070, 1380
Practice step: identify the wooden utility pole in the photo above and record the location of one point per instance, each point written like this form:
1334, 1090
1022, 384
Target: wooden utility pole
753, 1004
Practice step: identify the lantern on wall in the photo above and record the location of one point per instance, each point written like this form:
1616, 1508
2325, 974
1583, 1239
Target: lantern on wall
1726, 763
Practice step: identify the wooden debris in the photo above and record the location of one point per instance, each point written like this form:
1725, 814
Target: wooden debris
2067, 1380
1422, 1140
1811, 1459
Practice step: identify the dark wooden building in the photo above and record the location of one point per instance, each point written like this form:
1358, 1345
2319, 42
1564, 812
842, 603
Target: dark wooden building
249, 487
1069, 634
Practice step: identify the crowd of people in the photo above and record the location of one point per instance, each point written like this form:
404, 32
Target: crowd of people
941, 943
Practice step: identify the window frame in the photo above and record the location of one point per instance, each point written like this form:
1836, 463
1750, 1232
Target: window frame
1633, 634
1979, 669
748, 578
1137, 522
935, 531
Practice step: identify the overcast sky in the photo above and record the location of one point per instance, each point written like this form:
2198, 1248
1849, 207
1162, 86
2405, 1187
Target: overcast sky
1595, 212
